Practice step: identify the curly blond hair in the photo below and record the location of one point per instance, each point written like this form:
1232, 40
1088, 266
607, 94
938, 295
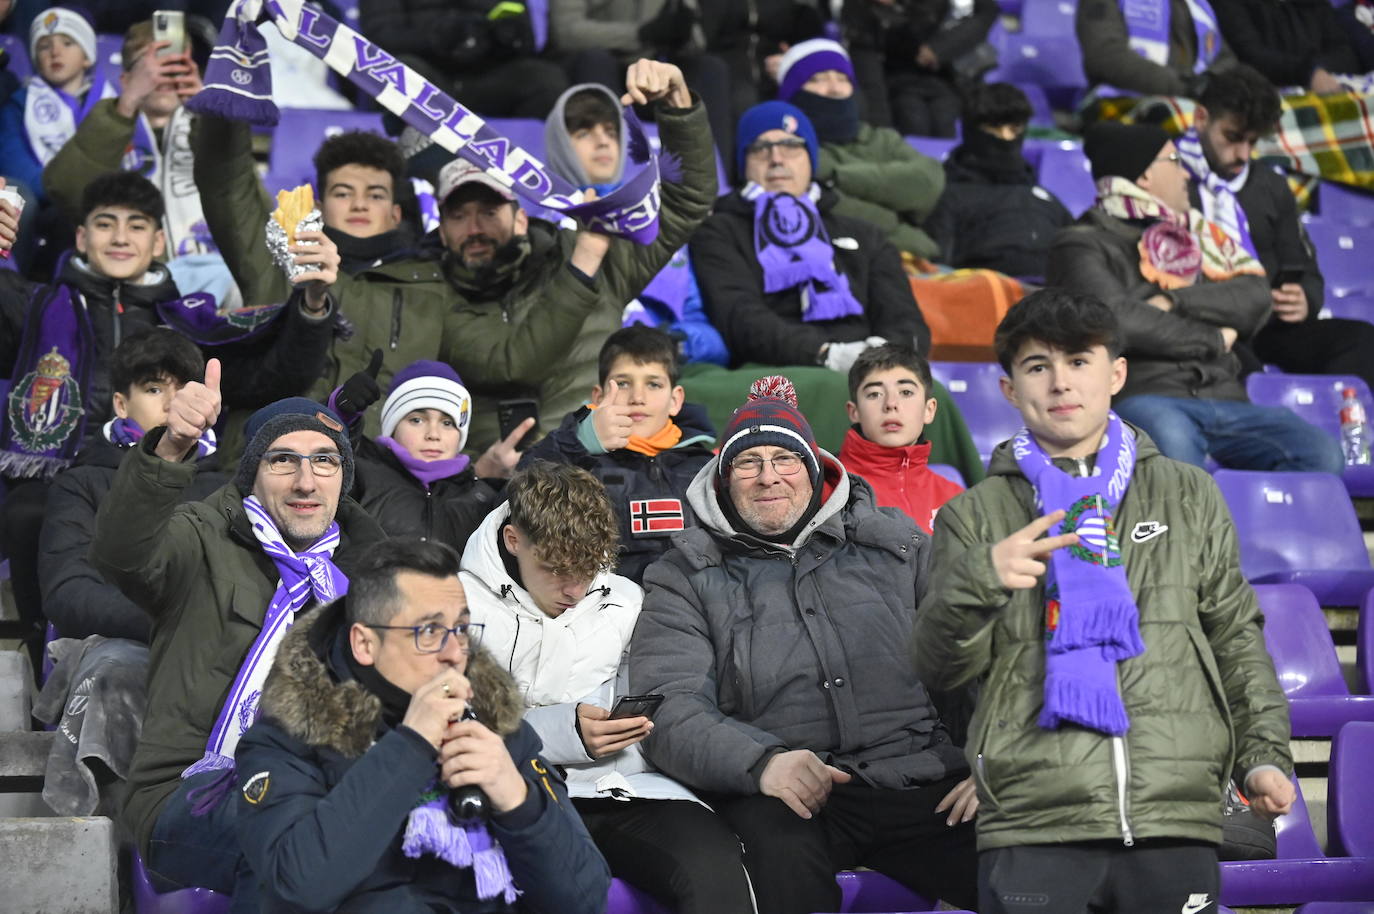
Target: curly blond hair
566, 515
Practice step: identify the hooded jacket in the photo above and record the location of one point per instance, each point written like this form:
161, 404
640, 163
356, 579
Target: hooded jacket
448, 510
993, 214
1203, 701
561, 662
768, 328
760, 648
322, 826
1176, 353
649, 493
683, 315
900, 476
201, 574
76, 599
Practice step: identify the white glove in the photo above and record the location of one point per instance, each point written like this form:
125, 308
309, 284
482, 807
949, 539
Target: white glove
840, 356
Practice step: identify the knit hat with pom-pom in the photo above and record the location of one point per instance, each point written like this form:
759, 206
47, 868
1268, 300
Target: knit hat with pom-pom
770, 416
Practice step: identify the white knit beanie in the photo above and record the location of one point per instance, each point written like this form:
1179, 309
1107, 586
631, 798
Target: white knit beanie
428, 392
59, 20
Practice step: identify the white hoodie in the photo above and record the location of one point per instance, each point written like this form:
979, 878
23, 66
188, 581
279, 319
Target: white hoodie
559, 662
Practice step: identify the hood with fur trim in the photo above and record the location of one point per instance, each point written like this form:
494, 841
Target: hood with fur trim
307, 700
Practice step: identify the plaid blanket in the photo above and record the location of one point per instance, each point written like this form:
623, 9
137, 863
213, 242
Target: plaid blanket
1319, 136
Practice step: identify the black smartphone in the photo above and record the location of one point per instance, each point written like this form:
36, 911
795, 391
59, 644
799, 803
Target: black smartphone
510, 413
636, 706
1287, 275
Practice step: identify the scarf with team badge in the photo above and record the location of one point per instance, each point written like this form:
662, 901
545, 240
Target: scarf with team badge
1091, 620
794, 250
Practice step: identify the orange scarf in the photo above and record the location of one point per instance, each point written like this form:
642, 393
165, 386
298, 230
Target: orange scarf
661, 440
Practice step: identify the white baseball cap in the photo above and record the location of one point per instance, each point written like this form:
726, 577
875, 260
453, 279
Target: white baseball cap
459, 172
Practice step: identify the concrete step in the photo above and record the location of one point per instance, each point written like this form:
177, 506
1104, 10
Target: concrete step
23, 758
58, 866
16, 690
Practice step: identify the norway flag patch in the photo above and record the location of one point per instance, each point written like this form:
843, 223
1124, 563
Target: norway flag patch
656, 515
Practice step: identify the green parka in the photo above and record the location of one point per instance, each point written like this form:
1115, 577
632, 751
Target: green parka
883, 180
1203, 700
199, 571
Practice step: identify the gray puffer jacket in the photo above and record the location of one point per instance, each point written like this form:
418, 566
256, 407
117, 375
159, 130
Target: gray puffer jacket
760, 648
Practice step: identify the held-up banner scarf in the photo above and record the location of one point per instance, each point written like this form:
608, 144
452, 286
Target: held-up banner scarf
1091, 619
238, 86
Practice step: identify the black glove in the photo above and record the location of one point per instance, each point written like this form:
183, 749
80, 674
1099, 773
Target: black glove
671, 28
361, 390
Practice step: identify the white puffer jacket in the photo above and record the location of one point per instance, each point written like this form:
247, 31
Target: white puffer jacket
559, 662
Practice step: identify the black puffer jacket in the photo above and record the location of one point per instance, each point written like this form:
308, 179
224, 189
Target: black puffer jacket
995, 217
768, 328
76, 598
448, 511
649, 493
452, 35
1287, 39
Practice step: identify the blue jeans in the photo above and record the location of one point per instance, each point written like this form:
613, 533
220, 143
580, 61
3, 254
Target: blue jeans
1238, 435
187, 850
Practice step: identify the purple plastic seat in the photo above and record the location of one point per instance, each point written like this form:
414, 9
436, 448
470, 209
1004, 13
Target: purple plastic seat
1065, 172
948, 472
299, 134
1299, 528
1356, 304
1050, 18
868, 892
1364, 641
1342, 253
148, 900
1316, 398
1300, 874
938, 148
111, 51
1336, 907
1295, 632
1342, 203
19, 57
1052, 61
976, 390
1350, 792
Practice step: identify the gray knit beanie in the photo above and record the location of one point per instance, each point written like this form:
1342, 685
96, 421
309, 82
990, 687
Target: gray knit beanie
283, 417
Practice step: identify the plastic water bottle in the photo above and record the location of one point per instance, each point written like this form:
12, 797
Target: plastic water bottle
1354, 429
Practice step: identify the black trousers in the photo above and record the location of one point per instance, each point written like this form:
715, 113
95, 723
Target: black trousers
676, 850
25, 504
1335, 346
1154, 877
792, 861
913, 102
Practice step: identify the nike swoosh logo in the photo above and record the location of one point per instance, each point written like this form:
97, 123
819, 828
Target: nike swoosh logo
1144, 531
1193, 908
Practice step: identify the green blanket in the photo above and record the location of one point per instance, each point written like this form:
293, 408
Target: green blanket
821, 396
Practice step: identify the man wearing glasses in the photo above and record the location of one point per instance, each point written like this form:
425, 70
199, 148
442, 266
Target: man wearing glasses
378, 706
774, 631
223, 580
1190, 296
785, 278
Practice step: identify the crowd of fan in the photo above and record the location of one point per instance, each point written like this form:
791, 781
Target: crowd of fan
199, 443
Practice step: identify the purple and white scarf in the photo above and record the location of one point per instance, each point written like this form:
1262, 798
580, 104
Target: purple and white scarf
1091, 620
238, 85
125, 432
1219, 203
429, 830
51, 116
794, 250
1147, 27
305, 576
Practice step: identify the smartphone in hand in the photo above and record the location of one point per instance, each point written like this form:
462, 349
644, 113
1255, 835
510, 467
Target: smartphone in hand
636, 706
510, 413
170, 26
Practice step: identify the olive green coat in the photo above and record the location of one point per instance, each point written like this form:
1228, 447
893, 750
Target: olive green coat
198, 570
1203, 701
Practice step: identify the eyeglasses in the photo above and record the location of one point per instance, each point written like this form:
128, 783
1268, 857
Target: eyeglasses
763, 149
783, 464
1171, 157
288, 463
432, 637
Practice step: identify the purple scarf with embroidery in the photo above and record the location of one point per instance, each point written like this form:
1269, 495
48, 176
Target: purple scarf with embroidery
1091, 620
429, 830
45, 414
428, 472
1147, 29
126, 433
238, 86
794, 250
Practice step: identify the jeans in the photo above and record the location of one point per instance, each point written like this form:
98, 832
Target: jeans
187, 850
1238, 435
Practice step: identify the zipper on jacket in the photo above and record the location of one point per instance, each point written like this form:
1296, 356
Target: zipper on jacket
114, 317
1123, 771
395, 318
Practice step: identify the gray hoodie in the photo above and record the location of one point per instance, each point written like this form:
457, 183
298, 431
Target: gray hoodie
558, 149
